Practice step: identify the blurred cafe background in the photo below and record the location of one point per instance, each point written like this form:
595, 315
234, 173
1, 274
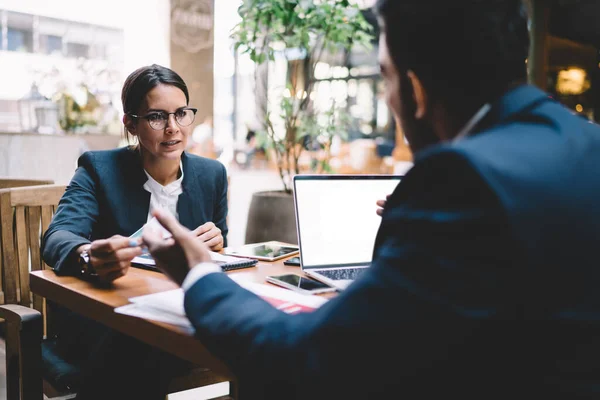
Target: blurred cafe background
63, 62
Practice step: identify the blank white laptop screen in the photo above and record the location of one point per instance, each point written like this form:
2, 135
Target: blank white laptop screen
337, 219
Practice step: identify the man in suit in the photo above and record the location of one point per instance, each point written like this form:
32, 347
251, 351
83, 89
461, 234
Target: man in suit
484, 281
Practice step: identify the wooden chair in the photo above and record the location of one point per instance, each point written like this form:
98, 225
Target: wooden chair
6, 183
25, 214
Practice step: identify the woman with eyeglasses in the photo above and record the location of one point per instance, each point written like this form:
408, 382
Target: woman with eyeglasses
110, 197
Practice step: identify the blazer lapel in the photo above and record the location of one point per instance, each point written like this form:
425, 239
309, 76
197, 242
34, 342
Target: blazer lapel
188, 216
135, 196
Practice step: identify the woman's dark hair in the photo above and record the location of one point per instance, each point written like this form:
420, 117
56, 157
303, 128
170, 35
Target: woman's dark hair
460, 49
143, 80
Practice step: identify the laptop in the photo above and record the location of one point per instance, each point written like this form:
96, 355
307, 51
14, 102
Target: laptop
337, 223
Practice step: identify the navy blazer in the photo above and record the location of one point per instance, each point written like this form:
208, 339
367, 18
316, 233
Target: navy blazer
484, 282
106, 197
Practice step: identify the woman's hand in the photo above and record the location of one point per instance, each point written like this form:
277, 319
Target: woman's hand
111, 258
210, 235
381, 204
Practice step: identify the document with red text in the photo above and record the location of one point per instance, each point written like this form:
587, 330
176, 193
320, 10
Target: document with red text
168, 306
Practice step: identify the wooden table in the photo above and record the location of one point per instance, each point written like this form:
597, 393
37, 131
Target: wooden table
99, 303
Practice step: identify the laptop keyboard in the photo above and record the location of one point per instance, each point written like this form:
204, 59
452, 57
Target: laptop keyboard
345, 273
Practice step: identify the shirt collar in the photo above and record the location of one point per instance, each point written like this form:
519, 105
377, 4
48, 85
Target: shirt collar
170, 188
475, 119
512, 102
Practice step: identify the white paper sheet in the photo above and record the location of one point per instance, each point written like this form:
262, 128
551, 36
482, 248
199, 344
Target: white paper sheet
141, 311
170, 301
168, 306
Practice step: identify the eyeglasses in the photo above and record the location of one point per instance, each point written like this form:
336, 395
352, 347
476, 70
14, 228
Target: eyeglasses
158, 120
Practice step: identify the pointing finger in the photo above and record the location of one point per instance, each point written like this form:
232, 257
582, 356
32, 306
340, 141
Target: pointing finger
169, 222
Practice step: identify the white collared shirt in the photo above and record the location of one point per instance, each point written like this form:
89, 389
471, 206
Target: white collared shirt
198, 272
164, 197
475, 119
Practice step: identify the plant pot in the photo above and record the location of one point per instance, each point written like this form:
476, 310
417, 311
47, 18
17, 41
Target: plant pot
271, 217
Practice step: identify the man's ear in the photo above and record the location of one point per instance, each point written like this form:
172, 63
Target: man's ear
419, 95
129, 124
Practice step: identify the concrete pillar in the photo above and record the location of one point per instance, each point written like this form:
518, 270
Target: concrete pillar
537, 63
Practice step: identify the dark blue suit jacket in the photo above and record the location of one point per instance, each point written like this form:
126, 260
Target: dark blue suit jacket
106, 197
485, 281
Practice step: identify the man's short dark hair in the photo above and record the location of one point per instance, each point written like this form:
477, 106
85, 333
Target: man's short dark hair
458, 48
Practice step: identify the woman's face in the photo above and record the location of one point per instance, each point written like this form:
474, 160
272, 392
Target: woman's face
167, 143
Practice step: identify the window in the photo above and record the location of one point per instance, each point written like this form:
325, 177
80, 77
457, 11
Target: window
51, 33
78, 50
50, 44
20, 40
20, 32
99, 51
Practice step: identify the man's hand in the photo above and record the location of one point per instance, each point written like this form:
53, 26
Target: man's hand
210, 235
381, 204
111, 258
177, 254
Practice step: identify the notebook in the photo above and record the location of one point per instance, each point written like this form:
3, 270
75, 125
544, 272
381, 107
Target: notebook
337, 223
227, 263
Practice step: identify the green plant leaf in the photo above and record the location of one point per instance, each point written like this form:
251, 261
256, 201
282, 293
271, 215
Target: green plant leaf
304, 25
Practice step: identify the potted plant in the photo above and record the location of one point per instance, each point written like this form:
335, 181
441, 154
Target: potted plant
302, 32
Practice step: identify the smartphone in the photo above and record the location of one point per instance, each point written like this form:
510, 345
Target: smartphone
300, 284
295, 261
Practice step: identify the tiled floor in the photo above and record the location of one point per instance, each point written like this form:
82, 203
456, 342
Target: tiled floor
242, 184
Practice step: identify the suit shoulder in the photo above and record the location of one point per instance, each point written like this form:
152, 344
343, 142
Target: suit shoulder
444, 157
447, 171
109, 164
206, 164
105, 157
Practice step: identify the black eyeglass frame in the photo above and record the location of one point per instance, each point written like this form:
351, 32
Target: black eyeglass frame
194, 110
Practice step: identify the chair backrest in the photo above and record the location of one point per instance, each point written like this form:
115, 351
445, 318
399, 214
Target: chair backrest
25, 213
6, 183
11, 182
